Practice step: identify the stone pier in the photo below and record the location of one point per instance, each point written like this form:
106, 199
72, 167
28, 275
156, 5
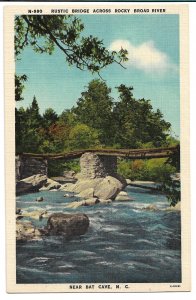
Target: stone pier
97, 166
91, 165
28, 166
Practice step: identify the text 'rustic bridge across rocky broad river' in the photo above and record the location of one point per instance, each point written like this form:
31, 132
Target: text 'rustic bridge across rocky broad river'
28, 164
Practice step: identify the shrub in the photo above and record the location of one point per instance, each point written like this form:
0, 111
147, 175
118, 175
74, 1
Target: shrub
154, 169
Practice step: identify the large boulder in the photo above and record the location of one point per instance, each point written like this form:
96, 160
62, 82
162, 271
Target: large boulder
50, 185
30, 184
67, 187
121, 179
104, 188
26, 231
84, 184
88, 193
68, 225
108, 188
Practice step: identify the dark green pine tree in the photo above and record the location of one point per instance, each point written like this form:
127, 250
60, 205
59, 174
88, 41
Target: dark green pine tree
94, 109
28, 124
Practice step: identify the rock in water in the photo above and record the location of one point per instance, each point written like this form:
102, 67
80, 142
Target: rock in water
150, 207
67, 187
75, 204
30, 184
88, 193
128, 181
50, 185
66, 195
91, 201
102, 201
177, 207
36, 214
26, 231
18, 211
39, 199
69, 225
108, 188
123, 196
86, 202
84, 184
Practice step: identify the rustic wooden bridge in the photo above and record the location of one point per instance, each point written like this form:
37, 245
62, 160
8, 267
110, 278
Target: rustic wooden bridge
125, 153
28, 164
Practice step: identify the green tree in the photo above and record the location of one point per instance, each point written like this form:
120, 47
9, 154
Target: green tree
44, 33
136, 123
172, 188
83, 137
19, 86
94, 109
34, 118
20, 129
49, 117
171, 185
55, 138
28, 123
68, 117
48, 122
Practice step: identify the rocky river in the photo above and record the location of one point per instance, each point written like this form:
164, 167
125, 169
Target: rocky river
136, 241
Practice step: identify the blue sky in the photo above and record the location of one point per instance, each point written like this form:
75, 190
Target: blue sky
153, 67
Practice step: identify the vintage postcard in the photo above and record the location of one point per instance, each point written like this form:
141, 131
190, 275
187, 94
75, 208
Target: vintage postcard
97, 148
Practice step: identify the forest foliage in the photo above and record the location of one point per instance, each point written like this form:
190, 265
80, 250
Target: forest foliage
97, 120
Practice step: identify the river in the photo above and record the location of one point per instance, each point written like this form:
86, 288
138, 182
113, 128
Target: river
124, 243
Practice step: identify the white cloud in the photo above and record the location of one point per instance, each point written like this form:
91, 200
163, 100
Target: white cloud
145, 56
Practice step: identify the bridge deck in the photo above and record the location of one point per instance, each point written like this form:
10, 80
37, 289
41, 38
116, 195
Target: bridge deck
126, 153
